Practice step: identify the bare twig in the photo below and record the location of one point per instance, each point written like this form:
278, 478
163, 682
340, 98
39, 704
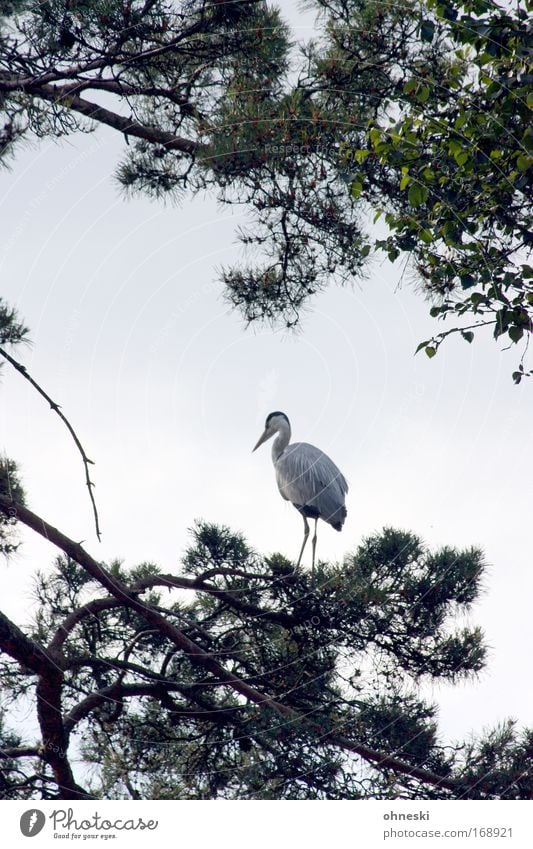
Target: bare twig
57, 409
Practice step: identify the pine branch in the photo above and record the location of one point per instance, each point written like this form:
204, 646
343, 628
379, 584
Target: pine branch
98, 605
57, 409
13, 752
65, 97
24, 650
118, 691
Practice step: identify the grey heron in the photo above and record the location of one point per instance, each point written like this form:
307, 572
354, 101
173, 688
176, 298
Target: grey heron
306, 477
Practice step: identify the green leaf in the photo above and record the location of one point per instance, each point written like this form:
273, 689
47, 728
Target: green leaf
427, 30
361, 155
448, 231
410, 86
468, 335
527, 138
375, 136
423, 94
357, 188
431, 351
426, 236
454, 146
417, 194
467, 280
462, 157
515, 333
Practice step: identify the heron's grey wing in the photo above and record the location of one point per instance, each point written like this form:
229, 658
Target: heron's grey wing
308, 477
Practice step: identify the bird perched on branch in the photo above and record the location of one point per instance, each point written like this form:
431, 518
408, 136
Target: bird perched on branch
306, 477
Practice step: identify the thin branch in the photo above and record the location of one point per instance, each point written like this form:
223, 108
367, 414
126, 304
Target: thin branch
98, 605
122, 89
92, 608
117, 692
57, 409
96, 700
113, 56
439, 337
278, 616
240, 573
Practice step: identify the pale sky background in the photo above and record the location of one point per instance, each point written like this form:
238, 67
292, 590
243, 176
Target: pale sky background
169, 393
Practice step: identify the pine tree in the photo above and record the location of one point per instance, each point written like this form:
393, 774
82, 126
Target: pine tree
239, 678
419, 113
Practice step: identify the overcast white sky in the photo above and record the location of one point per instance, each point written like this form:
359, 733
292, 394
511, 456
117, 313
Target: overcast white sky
169, 394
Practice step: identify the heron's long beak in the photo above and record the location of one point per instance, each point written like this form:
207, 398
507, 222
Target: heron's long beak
263, 438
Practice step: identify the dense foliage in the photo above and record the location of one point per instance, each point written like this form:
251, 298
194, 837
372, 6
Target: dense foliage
418, 112
462, 150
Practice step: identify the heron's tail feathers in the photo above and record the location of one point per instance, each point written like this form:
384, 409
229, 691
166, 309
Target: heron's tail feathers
337, 519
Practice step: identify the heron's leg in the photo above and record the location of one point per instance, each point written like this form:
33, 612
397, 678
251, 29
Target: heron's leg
306, 534
314, 550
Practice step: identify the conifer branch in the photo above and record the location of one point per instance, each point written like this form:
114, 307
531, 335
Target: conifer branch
57, 409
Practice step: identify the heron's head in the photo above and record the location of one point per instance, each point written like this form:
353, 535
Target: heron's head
274, 423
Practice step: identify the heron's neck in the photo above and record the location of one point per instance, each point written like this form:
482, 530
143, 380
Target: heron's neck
281, 441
